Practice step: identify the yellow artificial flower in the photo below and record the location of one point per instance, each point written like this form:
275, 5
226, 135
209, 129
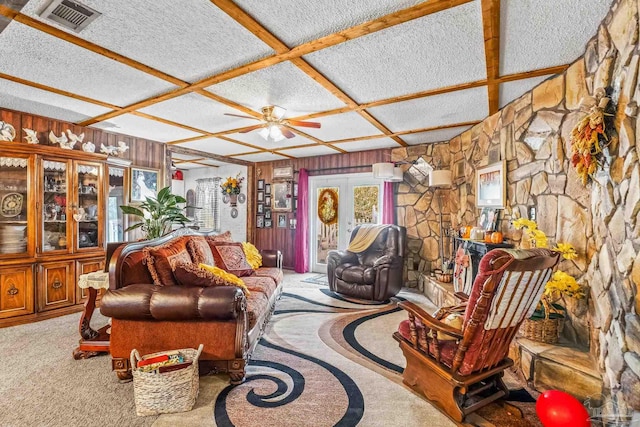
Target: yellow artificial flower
564, 283
567, 250
526, 223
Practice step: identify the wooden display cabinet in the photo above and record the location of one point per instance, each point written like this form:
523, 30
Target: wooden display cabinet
52, 222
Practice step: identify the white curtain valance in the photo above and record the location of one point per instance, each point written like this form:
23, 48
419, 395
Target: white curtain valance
14, 162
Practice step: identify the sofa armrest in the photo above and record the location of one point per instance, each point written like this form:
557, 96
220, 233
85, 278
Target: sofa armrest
271, 258
150, 302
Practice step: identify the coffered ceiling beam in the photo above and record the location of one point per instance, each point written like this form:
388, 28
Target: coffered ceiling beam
491, 30
405, 15
197, 153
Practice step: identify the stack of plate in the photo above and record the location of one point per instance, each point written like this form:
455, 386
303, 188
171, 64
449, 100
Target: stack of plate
12, 239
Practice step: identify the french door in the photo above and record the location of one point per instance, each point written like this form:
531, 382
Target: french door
337, 205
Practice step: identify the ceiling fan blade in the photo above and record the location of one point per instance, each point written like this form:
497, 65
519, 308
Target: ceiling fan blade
304, 124
239, 115
250, 128
286, 132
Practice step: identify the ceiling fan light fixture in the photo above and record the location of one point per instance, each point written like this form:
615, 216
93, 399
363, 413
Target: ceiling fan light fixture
278, 112
275, 134
264, 133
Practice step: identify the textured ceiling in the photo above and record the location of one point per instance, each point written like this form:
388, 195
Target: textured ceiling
373, 73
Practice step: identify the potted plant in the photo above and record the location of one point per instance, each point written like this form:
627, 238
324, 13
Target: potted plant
158, 214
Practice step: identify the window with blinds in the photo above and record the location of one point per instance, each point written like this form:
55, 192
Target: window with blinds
207, 216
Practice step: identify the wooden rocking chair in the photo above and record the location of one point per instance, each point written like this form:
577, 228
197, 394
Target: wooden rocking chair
461, 370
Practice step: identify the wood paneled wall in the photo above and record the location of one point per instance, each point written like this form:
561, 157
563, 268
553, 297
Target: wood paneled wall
141, 152
283, 238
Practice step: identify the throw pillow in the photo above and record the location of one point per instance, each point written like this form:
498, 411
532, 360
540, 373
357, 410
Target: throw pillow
189, 274
253, 255
455, 321
224, 237
230, 257
199, 250
161, 260
226, 277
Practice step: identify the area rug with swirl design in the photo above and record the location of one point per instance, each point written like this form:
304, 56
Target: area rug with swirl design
324, 360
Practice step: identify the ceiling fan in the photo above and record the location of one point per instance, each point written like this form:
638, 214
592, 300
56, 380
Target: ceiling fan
274, 127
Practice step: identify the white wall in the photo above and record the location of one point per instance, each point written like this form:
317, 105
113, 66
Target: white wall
238, 225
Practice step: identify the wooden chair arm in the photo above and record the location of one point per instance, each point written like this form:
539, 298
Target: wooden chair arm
430, 321
461, 296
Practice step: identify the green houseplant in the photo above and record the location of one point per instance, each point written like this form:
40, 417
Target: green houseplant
158, 214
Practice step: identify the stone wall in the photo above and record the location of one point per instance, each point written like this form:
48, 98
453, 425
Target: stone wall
600, 219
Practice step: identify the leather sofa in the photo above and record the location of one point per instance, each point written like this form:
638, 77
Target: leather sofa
374, 274
152, 318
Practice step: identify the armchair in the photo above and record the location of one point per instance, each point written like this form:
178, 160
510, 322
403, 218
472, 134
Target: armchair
460, 369
374, 273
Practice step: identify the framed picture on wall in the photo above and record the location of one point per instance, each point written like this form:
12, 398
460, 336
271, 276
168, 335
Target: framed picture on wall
281, 201
282, 220
267, 200
491, 188
282, 173
458, 171
144, 183
260, 184
267, 213
259, 221
260, 196
267, 223
260, 208
267, 189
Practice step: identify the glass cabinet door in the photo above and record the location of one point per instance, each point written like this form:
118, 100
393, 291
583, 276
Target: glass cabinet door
54, 205
88, 207
14, 204
115, 199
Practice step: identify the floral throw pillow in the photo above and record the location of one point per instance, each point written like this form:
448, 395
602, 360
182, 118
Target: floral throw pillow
230, 257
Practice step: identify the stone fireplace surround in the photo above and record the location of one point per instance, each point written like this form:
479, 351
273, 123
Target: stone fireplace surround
601, 219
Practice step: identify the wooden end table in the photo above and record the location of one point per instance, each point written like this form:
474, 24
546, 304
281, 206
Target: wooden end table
92, 342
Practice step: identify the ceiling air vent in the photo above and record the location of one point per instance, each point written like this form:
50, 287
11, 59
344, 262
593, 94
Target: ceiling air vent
70, 14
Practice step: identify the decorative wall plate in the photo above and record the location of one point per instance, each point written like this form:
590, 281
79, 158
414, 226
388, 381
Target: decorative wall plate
234, 212
11, 204
7, 132
242, 198
225, 198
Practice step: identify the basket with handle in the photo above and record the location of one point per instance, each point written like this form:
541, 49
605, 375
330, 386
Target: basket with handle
165, 392
547, 329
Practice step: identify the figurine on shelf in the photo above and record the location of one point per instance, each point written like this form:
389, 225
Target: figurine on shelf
110, 150
7, 132
32, 136
62, 140
89, 147
75, 138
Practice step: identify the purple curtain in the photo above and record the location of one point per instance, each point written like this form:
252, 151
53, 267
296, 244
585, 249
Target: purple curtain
302, 225
388, 209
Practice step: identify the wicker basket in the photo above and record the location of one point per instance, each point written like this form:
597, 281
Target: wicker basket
168, 392
544, 330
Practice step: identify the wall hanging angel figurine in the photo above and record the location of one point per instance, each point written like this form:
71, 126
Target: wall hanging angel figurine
589, 137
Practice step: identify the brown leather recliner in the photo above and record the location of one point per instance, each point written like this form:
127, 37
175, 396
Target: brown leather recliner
374, 274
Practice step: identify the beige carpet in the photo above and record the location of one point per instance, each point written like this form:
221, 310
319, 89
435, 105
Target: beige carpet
324, 361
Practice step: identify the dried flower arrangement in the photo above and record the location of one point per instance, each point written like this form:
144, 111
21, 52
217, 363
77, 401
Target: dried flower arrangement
588, 137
